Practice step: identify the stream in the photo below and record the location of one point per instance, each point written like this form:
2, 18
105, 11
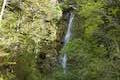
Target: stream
66, 40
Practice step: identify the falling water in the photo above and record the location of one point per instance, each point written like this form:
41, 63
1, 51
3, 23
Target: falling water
66, 40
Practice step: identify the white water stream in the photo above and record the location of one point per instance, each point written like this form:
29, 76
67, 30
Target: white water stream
66, 40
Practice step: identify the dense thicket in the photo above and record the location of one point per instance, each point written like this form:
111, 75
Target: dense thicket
29, 34
94, 50
27, 26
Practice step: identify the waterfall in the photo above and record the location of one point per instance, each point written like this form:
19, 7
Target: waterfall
66, 40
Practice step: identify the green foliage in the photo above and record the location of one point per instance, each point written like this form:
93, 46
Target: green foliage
27, 25
91, 12
29, 28
87, 61
94, 50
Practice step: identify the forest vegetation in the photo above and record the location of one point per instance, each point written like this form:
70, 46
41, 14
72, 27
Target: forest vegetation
32, 32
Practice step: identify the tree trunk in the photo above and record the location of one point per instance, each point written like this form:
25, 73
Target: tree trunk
3, 9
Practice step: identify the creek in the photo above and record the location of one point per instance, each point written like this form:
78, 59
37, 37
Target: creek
66, 40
